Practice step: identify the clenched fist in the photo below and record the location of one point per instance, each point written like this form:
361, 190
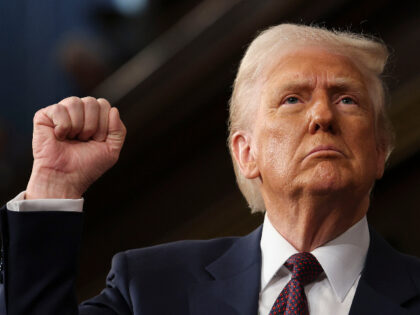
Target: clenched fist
74, 143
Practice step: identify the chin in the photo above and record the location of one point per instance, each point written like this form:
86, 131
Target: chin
326, 178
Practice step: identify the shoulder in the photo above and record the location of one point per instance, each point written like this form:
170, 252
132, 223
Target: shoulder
382, 256
186, 246
412, 264
180, 255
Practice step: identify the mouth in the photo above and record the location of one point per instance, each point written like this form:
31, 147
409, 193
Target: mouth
325, 151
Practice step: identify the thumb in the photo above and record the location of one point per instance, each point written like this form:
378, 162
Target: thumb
116, 130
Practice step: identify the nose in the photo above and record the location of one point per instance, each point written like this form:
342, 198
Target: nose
321, 116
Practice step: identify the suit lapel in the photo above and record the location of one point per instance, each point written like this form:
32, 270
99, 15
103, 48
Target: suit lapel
368, 300
384, 287
236, 283
385, 284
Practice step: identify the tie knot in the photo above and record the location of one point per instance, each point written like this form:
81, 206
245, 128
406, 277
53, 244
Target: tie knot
304, 266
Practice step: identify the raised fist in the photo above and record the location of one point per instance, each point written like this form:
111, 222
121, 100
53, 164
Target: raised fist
74, 143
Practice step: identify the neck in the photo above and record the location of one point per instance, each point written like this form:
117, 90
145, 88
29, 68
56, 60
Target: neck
312, 221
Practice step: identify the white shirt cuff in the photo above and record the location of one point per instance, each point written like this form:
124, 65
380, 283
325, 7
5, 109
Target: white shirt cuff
20, 204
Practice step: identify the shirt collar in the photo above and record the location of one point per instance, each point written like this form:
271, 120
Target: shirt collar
342, 258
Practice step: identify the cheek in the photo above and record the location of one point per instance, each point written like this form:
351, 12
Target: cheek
364, 136
364, 145
274, 151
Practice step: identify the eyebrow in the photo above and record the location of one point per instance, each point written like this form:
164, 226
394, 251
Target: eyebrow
339, 84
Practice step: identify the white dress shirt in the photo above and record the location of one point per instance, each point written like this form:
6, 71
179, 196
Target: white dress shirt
19, 203
342, 260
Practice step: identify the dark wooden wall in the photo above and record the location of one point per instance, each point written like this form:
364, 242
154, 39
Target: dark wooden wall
174, 179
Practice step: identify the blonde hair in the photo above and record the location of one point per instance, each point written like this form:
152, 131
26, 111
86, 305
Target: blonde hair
369, 54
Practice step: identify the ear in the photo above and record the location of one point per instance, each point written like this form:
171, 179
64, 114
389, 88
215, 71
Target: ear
243, 155
380, 162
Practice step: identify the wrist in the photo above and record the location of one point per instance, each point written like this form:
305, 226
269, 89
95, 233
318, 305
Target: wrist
50, 184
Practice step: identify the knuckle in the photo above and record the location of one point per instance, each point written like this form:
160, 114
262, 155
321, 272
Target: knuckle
73, 103
91, 105
42, 112
104, 107
57, 108
38, 113
76, 105
72, 100
89, 100
104, 103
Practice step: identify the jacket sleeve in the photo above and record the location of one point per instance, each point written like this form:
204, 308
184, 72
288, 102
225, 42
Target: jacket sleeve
39, 261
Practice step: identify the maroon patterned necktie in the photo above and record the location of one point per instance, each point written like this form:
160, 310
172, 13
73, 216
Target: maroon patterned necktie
305, 268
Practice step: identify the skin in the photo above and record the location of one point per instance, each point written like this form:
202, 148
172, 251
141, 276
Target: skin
313, 146
74, 143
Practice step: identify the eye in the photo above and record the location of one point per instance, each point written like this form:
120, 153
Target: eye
291, 100
348, 101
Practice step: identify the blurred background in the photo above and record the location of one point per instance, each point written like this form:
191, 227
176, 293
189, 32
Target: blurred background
168, 65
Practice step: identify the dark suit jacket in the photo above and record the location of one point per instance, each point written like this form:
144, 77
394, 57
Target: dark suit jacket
215, 277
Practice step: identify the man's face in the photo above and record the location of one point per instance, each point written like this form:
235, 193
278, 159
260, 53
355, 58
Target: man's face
314, 131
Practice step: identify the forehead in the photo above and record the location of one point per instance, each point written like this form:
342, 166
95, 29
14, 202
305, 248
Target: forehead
314, 66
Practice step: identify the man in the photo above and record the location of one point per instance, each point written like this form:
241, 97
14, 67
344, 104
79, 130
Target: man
308, 138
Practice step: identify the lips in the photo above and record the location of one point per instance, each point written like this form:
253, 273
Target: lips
325, 148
